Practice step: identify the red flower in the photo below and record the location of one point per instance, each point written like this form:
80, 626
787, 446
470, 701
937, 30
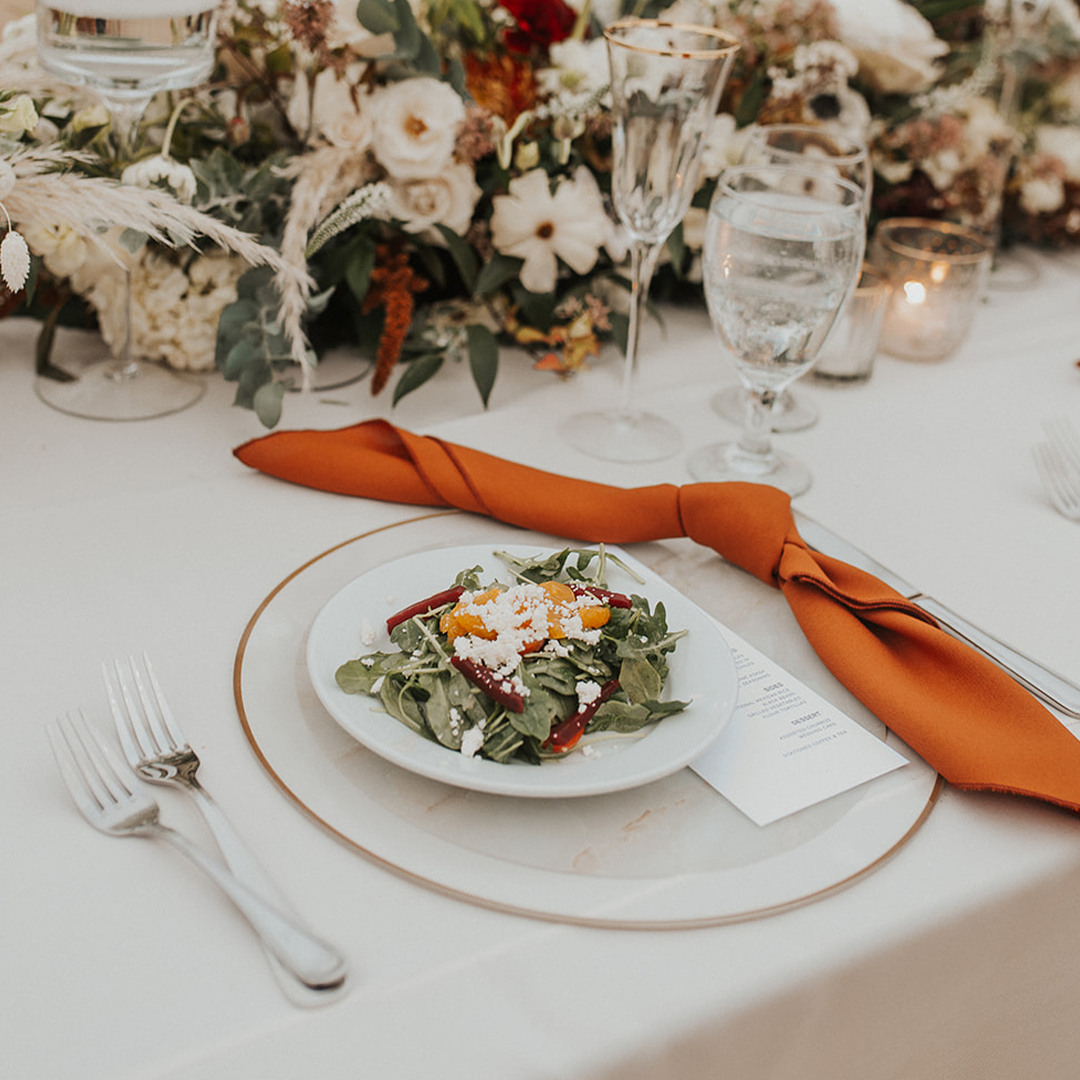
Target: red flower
540, 22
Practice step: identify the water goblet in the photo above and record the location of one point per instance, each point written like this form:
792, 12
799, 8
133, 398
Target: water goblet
666, 81
780, 258
801, 146
126, 51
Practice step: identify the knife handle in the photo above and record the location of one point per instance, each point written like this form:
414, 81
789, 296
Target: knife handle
1048, 685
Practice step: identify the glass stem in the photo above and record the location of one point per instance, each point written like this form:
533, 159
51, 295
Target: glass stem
125, 114
126, 365
755, 439
643, 259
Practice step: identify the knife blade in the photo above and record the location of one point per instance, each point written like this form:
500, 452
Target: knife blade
1044, 683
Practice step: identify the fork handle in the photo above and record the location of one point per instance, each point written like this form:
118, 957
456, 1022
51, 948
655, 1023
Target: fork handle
237, 855
314, 962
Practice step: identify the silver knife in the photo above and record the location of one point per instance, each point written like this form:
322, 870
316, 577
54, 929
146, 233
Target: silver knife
1048, 685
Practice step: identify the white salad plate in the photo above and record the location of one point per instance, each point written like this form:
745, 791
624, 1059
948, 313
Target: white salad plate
701, 671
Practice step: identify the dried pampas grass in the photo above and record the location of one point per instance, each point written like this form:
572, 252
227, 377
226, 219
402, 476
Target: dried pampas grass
46, 194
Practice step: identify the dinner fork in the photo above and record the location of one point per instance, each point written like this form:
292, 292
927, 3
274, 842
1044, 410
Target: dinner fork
1060, 480
158, 751
114, 802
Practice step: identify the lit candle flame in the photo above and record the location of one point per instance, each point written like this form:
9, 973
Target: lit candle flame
915, 291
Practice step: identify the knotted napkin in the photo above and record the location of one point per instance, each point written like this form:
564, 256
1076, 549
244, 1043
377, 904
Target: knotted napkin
960, 712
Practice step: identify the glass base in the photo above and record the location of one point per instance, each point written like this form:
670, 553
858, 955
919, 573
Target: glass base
789, 413
613, 436
99, 393
723, 462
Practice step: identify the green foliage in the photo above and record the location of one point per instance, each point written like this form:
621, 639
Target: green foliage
420, 687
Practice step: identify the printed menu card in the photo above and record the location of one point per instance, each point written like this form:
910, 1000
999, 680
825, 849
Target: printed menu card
786, 747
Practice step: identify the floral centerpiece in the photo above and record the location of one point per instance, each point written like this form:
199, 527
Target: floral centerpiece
421, 181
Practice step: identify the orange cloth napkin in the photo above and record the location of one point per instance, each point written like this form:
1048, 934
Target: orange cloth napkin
959, 711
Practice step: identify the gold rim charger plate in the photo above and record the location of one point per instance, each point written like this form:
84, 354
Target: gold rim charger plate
667, 853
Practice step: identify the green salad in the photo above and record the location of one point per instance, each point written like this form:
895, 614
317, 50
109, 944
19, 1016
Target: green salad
521, 671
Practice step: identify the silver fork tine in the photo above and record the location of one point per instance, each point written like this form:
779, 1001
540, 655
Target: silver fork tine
62, 739
113, 805
126, 729
95, 763
172, 729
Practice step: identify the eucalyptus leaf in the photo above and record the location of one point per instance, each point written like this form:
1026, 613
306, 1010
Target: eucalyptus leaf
417, 373
267, 403
483, 359
496, 272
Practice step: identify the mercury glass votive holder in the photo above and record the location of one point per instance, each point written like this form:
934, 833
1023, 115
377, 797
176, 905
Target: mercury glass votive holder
849, 351
937, 271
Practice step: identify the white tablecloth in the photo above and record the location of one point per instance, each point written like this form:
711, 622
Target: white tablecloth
958, 957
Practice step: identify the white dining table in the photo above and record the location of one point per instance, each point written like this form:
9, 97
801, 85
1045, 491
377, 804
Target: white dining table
956, 956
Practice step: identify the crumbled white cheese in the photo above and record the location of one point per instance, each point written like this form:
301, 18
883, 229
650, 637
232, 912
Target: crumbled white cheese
587, 692
515, 618
472, 741
367, 633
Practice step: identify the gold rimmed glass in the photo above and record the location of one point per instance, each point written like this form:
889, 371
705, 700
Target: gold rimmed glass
666, 82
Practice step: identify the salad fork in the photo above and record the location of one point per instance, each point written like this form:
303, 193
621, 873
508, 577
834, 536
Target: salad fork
113, 802
158, 751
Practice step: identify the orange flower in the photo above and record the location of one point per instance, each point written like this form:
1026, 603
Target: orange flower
502, 84
393, 285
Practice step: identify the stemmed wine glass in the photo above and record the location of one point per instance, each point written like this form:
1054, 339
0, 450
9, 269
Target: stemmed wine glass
666, 81
802, 146
127, 51
783, 250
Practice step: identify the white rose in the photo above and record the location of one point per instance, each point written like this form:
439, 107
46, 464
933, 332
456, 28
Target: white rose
895, 45
336, 116
1063, 142
1042, 195
446, 199
415, 127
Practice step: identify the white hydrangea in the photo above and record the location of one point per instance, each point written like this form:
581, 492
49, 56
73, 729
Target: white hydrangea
415, 126
174, 315
60, 247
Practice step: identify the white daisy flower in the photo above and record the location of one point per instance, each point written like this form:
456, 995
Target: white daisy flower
532, 224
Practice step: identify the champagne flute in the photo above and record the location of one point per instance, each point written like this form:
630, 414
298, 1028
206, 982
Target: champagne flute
666, 81
783, 249
802, 146
127, 51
